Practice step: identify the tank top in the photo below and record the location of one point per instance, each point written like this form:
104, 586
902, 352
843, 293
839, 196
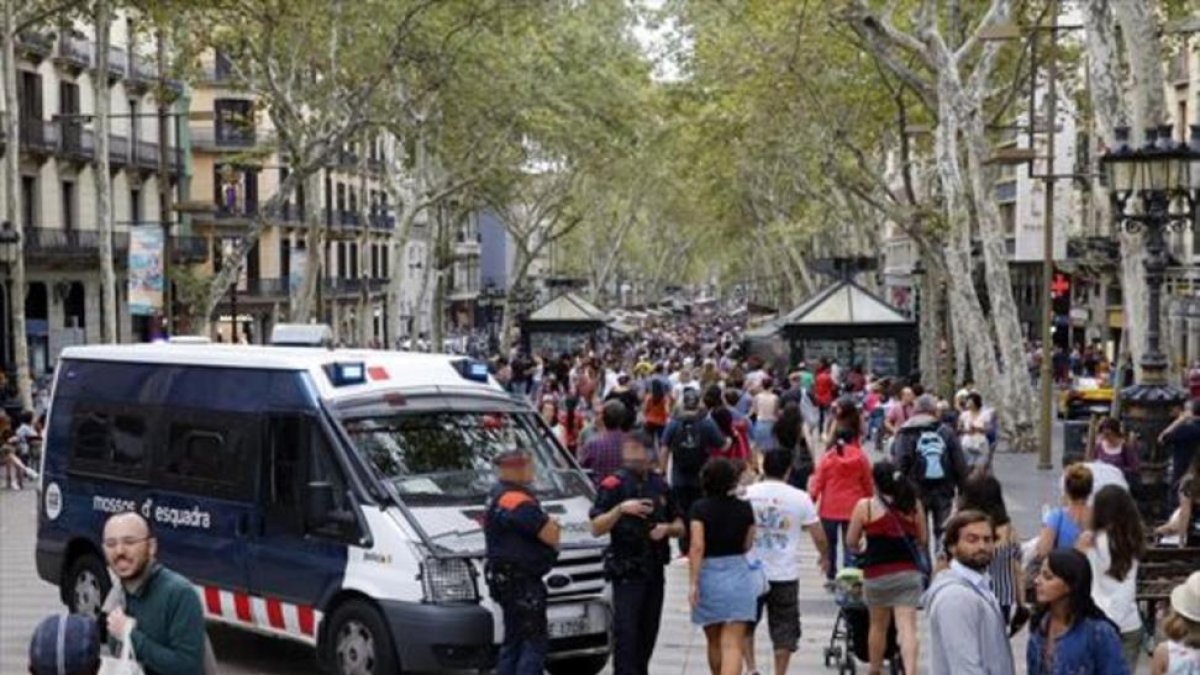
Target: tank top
888, 551
1182, 660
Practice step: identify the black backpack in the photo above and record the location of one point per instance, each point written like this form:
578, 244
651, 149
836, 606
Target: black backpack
689, 456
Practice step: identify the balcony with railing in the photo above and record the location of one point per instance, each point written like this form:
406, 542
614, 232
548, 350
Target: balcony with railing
76, 143
34, 45
41, 244
216, 138
74, 53
286, 213
118, 150
38, 136
142, 71
382, 223
188, 249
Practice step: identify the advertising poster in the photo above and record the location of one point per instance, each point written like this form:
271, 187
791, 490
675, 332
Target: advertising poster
145, 270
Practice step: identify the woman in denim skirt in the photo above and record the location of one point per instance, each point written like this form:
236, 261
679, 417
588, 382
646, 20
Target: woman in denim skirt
724, 588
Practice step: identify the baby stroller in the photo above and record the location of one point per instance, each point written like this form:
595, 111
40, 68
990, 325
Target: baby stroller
849, 638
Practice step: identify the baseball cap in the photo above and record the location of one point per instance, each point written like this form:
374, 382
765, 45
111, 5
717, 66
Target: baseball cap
66, 644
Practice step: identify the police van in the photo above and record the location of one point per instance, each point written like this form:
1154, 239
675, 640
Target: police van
332, 497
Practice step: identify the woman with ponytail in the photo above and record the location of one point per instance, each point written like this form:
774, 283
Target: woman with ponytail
893, 525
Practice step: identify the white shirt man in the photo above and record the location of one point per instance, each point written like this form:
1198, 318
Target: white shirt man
781, 515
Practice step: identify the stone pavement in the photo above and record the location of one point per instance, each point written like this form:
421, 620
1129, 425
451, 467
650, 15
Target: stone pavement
24, 599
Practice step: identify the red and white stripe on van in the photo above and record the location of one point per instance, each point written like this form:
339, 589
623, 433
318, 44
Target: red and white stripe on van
270, 615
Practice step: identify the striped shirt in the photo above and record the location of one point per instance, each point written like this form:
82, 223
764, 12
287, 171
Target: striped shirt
1004, 585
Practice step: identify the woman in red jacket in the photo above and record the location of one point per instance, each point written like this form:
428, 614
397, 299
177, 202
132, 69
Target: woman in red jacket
843, 477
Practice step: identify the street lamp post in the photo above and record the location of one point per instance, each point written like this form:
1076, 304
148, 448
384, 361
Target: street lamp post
1153, 188
9, 238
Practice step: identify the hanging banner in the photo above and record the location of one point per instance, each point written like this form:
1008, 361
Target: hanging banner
145, 270
298, 264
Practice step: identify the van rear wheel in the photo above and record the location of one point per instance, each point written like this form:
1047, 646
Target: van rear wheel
87, 585
582, 665
359, 641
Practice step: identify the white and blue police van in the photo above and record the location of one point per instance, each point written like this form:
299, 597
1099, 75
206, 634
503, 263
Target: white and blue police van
332, 497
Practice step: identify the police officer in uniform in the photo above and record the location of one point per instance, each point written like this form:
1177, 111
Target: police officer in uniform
635, 507
522, 545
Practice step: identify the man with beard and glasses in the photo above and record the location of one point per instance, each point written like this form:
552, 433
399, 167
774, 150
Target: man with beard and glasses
635, 507
168, 622
967, 628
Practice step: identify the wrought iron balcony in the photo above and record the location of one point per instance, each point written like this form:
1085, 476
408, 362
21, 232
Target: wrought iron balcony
38, 136
74, 52
53, 243
187, 248
118, 61
34, 45
213, 138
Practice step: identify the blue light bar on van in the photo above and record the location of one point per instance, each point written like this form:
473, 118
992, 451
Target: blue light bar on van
346, 374
476, 371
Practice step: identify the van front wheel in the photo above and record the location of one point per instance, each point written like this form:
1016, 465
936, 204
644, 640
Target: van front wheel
583, 665
87, 585
359, 641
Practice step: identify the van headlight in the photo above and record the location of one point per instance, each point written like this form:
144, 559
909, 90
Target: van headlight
449, 580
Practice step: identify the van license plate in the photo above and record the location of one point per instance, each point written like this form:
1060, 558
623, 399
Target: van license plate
566, 620
562, 628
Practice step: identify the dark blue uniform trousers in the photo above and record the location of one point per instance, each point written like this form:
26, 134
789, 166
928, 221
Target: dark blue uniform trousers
637, 610
526, 636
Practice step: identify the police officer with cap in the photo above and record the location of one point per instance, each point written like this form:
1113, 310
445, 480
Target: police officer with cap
635, 507
522, 545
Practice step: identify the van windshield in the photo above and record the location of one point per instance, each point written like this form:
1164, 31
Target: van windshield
445, 457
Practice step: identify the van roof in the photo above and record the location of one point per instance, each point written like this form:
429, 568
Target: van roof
387, 370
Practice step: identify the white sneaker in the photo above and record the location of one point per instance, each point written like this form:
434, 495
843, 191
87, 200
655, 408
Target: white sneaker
31, 474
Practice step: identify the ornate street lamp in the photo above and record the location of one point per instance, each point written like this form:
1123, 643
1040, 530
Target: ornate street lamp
1154, 188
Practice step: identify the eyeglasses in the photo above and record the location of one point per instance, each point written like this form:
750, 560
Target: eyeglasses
124, 542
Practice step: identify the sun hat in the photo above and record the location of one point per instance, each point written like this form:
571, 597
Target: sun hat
1185, 598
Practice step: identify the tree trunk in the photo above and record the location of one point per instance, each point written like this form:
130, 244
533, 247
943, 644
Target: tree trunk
1143, 51
931, 293
12, 209
366, 313
304, 300
1020, 408
104, 219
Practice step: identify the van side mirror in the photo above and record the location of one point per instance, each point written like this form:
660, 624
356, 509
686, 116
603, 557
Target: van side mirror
318, 504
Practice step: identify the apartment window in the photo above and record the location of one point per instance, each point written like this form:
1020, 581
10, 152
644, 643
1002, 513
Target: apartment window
28, 201
68, 205
135, 206
234, 121
29, 96
353, 200
341, 197
285, 258
341, 259
1008, 217
374, 261
384, 257
1182, 120
354, 271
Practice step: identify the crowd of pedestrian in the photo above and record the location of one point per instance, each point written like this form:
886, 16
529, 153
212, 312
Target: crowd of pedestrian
740, 460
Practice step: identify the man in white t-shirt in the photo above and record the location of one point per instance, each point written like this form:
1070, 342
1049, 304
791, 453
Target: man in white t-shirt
781, 514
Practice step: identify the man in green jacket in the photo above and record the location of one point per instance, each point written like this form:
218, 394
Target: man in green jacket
168, 633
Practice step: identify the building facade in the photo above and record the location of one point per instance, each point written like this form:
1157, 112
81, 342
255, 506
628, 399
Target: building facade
57, 199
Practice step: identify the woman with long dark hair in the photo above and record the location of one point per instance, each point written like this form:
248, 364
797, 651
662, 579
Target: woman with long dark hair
893, 524
1114, 544
1069, 634
789, 435
982, 492
724, 594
